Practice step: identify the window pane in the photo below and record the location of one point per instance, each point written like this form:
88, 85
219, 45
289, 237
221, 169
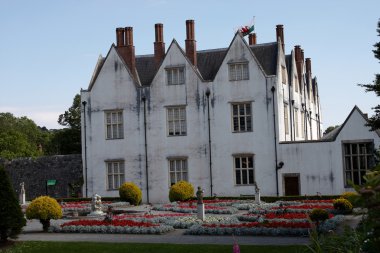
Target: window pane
356, 177
116, 184
245, 176
250, 162
238, 179
249, 123
181, 75
242, 124
236, 124
354, 149
110, 182
245, 71
237, 162
244, 162
250, 177
184, 176
248, 109
235, 110
347, 149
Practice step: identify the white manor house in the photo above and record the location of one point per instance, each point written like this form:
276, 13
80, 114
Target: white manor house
221, 119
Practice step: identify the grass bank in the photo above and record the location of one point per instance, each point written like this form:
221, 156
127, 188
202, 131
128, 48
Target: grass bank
85, 247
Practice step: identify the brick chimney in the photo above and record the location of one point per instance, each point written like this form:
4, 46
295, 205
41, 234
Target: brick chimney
190, 42
308, 66
299, 62
124, 40
119, 36
159, 45
252, 39
280, 35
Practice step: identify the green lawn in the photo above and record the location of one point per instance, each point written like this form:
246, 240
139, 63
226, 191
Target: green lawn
79, 247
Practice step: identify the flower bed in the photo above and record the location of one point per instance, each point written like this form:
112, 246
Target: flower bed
187, 222
183, 208
85, 206
115, 226
273, 228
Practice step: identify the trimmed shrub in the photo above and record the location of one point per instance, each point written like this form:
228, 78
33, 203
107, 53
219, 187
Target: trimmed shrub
131, 193
181, 191
342, 205
44, 208
318, 215
11, 217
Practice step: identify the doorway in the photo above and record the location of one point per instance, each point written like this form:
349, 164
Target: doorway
291, 184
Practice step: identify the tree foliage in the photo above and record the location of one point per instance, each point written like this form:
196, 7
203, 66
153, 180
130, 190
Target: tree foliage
20, 137
329, 129
11, 217
68, 140
374, 121
71, 117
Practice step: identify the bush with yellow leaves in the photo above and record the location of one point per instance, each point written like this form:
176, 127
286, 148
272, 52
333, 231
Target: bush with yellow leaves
181, 191
130, 192
44, 208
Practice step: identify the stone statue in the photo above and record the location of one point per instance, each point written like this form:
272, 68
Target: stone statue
257, 189
200, 195
22, 194
96, 204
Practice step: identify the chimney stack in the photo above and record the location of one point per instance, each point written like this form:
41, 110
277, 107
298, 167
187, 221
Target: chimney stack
280, 35
190, 42
308, 66
298, 57
124, 40
252, 39
159, 45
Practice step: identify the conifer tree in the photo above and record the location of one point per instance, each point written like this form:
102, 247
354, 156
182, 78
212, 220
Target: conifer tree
374, 121
11, 217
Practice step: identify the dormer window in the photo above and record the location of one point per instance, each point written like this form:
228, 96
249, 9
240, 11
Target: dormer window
175, 75
238, 71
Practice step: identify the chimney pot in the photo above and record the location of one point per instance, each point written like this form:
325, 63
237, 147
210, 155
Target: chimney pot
119, 36
252, 39
190, 42
129, 36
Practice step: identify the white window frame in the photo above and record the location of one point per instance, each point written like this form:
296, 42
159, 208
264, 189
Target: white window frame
238, 71
295, 115
175, 75
283, 75
178, 169
286, 118
239, 169
245, 116
176, 121
114, 127
115, 174
303, 124
357, 160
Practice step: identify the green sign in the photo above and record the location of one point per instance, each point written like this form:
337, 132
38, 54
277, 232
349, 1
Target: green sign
51, 182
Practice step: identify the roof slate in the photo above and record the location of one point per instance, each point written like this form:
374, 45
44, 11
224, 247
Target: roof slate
209, 62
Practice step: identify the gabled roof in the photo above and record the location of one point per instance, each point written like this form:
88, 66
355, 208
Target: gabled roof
208, 62
330, 137
334, 134
146, 69
266, 54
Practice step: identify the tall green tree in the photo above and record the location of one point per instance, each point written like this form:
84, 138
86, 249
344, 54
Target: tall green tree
11, 217
374, 121
20, 137
68, 140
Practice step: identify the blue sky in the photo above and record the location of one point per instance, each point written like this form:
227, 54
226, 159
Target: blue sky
49, 48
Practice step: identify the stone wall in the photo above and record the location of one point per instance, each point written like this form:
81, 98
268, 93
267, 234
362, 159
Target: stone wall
34, 172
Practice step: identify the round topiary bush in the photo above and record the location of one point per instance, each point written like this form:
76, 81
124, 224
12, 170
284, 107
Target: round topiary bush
318, 215
342, 205
181, 191
44, 208
131, 193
